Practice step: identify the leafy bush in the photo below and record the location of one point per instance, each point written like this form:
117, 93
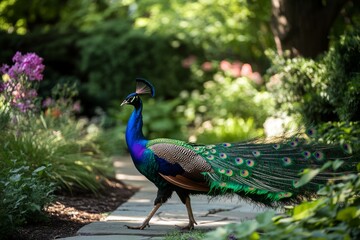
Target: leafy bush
230, 107
24, 194
319, 91
343, 76
235, 29
113, 55
343, 132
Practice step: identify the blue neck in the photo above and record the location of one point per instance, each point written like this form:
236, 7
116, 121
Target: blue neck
134, 137
134, 127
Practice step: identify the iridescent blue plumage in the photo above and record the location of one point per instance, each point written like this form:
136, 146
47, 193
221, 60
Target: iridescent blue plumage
262, 172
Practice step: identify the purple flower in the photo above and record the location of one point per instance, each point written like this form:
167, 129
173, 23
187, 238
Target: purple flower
4, 68
24, 106
31, 93
48, 102
29, 64
2, 87
76, 107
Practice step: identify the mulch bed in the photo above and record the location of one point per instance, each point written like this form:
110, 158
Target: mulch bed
70, 212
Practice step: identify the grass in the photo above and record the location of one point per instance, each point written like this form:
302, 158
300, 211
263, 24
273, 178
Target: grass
192, 235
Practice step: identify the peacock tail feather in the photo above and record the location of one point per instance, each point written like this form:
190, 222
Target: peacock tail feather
268, 172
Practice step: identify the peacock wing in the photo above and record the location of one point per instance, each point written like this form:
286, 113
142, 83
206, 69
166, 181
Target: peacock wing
179, 164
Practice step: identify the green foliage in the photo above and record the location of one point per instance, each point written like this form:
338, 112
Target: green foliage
228, 130
343, 76
193, 235
162, 119
106, 44
335, 215
113, 55
23, 195
230, 27
343, 132
231, 107
324, 90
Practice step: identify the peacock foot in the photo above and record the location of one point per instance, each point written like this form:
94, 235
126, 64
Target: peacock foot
188, 227
141, 227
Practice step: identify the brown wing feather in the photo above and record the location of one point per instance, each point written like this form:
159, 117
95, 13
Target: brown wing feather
188, 159
186, 183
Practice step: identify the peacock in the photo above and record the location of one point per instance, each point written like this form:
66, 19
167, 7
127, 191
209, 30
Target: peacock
263, 172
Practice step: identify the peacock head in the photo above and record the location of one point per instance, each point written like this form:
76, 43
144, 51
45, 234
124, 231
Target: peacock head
143, 87
132, 99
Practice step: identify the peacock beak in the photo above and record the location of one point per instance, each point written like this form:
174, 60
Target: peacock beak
124, 102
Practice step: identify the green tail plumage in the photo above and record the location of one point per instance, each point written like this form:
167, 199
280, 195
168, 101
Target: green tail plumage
267, 173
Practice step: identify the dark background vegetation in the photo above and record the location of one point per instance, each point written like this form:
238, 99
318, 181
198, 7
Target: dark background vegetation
226, 70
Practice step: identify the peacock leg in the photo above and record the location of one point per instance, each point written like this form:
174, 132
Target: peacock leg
147, 219
192, 221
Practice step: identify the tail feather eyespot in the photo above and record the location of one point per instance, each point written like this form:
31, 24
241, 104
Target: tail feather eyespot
250, 163
306, 154
293, 143
229, 172
239, 161
287, 161
319, 155
276, 146
347, 148
244, 173
311, 132
256, 153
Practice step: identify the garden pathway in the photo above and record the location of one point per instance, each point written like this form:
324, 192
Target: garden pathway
208, 214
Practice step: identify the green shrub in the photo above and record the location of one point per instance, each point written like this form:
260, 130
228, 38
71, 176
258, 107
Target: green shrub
230, 107
23, 195
343, 76
113, 55
327, 89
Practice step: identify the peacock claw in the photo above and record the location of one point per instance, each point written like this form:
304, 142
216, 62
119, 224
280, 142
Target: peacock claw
142, 227
188, 227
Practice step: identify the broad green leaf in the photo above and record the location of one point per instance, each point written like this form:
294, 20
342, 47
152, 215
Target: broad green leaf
265, 218
246, 228
39, 169
219, 233
337, 163
348, 214
308, 175
15, 177
305, 210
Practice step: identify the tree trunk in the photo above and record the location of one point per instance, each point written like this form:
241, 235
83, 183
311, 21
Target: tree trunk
303, 26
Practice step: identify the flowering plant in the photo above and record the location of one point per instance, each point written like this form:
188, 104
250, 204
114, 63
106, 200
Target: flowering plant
20, 81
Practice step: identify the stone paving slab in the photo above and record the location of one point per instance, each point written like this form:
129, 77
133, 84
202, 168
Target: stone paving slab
109, 237
208, 214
